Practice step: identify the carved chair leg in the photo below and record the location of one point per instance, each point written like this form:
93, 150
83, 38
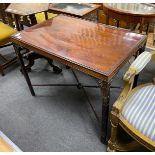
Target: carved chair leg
116, 145
112, 143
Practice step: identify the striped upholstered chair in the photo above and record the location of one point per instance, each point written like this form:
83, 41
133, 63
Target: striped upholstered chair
134, 110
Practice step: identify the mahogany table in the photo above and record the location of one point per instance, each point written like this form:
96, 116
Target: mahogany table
95, 49
80, 10
130, 13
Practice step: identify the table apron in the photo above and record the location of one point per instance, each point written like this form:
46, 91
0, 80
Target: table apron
63, 61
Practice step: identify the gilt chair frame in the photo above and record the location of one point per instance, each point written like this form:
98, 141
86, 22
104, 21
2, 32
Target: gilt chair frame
117, 119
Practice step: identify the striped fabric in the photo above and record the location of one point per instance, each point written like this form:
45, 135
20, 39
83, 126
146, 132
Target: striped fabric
141, 61
139, 111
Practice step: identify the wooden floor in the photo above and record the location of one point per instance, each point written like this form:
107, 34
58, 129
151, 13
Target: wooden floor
4, 146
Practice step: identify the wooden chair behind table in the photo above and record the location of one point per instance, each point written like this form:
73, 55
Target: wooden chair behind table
134, 110
40, 17
5, 33
5, 17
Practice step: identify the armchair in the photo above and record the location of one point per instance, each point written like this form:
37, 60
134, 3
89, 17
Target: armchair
134, 110
6, 31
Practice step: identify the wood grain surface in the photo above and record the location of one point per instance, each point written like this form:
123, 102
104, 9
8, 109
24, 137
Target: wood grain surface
95, 49
24, 9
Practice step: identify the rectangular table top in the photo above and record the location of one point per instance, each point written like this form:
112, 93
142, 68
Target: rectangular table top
78, 9
95, 49
25, 9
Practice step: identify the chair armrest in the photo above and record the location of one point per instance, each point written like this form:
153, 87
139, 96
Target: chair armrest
117, 106
140, 62
138, 65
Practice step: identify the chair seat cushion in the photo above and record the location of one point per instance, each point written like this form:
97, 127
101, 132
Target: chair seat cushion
5, 33
40, 17
139, 110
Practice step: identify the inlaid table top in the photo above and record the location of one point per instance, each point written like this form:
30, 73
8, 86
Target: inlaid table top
79, 9
142, 9
95, 49
25, 9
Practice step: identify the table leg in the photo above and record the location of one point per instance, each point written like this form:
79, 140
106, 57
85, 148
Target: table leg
24, 70
46, 15
105, 90
33, 19
147, 28
141, 26
98, 15
19, 26
10, 19
107, 19
17, 23
1, 70
117, 21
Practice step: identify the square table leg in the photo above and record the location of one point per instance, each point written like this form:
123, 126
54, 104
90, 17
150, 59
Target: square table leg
17, 22
33, 19
24, 71
105, 90
98, 14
